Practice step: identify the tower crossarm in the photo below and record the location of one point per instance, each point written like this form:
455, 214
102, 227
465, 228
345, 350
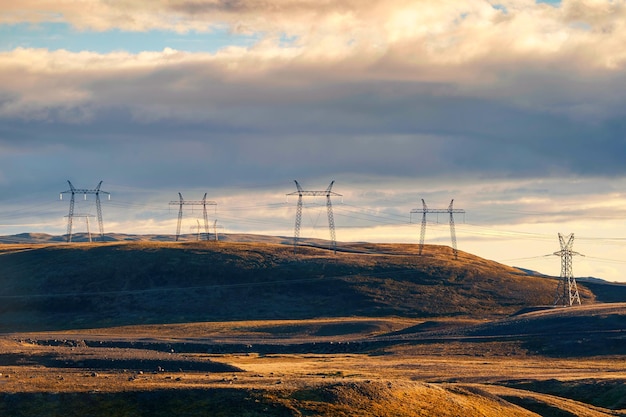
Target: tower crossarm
193, 203
566, 252
437, 211
318, 193
74, 190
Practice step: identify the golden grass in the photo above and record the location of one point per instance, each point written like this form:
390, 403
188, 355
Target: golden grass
434, 366
436, 378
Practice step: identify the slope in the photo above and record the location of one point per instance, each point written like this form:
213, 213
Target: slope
60, 286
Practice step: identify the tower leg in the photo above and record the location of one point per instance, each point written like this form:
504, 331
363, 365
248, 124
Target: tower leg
422, 234
206, 222
573, 290
88, 230
331, 224
423, 231
453, 232
99, 212
180, 216
70, 217
559, 298
296, 232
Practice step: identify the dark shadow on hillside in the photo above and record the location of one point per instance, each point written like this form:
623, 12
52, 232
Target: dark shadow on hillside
537, 406
154, 403
184, 305
606, 393
115, 364
607, 292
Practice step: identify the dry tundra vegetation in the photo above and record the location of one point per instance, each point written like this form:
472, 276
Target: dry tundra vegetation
140, 328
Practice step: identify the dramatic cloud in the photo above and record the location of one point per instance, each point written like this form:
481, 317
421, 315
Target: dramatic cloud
564, 60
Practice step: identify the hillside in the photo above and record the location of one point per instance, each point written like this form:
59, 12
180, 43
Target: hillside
48, 286
563, 361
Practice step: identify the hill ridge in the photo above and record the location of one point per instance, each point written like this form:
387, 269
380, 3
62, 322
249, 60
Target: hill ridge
148, 282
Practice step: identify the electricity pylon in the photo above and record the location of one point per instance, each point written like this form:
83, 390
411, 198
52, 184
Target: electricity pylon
86, 216
567, 290
70, 217
215, 227
198, 228
182, 202
329, 208
450, 210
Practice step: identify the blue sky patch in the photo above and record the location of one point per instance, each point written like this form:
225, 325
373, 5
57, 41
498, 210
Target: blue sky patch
552, 2
54, 36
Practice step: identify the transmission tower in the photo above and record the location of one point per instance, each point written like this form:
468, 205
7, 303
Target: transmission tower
86, 216
329, 208
566, 291
451, 211
182, 202
70, 217
215, 227
196, 229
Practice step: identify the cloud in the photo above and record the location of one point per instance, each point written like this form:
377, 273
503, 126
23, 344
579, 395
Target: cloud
473, 29
396, 88
564, 60
260, 107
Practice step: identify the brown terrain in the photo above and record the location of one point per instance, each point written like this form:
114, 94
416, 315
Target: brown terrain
140, 328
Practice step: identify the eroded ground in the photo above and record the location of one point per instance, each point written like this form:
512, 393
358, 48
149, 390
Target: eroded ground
347, 366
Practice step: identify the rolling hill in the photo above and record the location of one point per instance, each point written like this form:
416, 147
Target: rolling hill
245, 326
58, 286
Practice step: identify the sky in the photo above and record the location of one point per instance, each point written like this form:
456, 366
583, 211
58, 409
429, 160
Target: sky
515, 109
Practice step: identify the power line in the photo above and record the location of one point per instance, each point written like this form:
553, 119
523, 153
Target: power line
617, 261
526, 258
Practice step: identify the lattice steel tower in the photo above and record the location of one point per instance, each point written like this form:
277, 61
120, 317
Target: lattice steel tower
70, 217
182, 202
86, 216
451, 211
329, 208
566, 291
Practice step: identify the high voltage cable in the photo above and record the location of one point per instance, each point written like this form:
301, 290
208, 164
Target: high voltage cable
376, 215
349, 211
526, 258
607, 260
